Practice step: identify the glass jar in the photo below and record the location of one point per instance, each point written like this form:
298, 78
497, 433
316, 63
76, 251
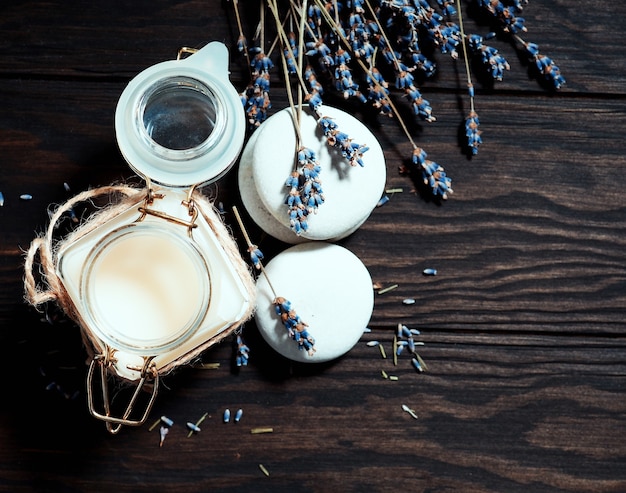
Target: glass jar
158, 281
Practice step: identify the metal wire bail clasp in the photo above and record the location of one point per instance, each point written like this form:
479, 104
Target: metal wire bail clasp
148, 373
189, 204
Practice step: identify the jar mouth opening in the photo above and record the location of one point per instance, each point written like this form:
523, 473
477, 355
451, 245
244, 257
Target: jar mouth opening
179, 118
147, 288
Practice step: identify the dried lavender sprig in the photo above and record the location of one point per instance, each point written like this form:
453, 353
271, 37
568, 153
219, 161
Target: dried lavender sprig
509, 22
305, 190
256, 256
433, 174
403, 74
544, 64
243, 352
298, 329
472, 134
251, 245
471, 122
350, 150
490, 57
256, 97
242, 42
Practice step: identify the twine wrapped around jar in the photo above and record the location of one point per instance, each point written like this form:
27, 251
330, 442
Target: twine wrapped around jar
47, 286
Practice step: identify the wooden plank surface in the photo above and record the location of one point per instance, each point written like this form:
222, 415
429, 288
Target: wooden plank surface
524, 325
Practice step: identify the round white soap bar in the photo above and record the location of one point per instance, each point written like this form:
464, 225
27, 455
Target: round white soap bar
335, 299
350, 192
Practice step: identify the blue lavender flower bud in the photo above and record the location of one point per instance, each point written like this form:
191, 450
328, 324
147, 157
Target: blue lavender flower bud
472, 133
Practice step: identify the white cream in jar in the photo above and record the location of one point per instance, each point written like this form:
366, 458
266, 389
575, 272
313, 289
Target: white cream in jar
146, 288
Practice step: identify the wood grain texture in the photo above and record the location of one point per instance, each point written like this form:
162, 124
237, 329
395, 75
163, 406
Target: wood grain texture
524, 325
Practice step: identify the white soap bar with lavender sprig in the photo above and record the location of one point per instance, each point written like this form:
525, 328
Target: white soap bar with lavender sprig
344, 180
318, 319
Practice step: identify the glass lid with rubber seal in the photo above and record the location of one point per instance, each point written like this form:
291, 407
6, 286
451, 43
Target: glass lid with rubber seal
181, 123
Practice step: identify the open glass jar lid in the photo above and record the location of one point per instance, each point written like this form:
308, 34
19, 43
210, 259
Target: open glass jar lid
180, 122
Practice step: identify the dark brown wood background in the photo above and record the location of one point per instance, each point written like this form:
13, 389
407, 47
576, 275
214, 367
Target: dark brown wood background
524, 326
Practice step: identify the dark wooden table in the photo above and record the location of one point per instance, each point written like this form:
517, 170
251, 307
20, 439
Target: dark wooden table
524, 326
